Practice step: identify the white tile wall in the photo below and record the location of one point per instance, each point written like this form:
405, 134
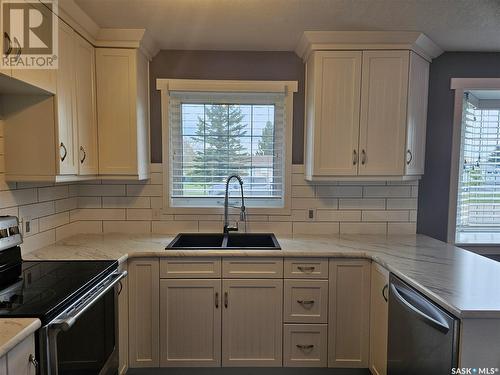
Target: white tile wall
133, 207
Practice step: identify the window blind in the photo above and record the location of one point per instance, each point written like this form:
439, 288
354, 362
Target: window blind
216, 134
478, 204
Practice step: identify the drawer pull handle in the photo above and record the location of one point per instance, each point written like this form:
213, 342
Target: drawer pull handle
307, 303
63, 148
307, 269
216, 300
33, 361
305, 347
226, 299
384, 292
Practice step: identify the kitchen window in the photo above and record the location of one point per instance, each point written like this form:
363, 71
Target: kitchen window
219, 128
478, 177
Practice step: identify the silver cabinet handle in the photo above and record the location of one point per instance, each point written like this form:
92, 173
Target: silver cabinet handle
63, 147
354, 157
384, 292
363, 157
84, 154
304, 347
9, 43
216, 300
305, 269
306, 302
33, 361
409, 157
226, 299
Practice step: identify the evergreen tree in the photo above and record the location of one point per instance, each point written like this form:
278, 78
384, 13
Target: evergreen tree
266, 143
219, 131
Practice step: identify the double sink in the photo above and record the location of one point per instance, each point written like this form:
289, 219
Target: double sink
223, 241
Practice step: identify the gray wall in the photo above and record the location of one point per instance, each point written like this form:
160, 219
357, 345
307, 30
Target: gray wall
434, 187
243, 65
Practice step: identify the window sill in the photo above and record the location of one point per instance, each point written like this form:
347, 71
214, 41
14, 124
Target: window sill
478, 238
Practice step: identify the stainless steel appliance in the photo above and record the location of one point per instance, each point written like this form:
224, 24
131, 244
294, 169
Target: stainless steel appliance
423, 338
76, 302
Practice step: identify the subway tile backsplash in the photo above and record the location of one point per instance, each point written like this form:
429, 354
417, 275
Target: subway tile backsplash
59, 211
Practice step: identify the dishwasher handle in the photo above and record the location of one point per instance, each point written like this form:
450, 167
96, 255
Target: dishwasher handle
435, 322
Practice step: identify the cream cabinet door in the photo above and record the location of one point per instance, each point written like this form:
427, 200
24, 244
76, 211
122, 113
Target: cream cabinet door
382, 139
123, 320
18, 359
86, 115
379, 312
66, 112
333, 104
190, 322
144, 309
349, 313
252, 323
418, 89
116, 110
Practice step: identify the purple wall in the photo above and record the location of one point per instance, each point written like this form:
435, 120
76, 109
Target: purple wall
243, 65
434, 187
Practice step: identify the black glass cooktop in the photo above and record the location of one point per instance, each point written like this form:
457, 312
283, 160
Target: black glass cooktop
45, 288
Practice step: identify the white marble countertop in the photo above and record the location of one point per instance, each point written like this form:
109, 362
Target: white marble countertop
15, 330
464, 283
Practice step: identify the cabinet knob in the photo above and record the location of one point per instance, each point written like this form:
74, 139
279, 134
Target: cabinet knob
354, 157
63, 148
409, 157
363, 157
33, 361
384, 292
84, 154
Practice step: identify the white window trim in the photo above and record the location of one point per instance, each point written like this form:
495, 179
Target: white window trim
461, 85
165, 85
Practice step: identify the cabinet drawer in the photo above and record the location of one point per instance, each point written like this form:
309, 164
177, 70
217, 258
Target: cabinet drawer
306, 301
190, 268
305, 345
250, 268
307, 268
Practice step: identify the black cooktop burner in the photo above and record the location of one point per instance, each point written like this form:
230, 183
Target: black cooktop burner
46, 287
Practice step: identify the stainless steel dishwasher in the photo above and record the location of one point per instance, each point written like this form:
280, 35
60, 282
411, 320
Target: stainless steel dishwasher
423, 338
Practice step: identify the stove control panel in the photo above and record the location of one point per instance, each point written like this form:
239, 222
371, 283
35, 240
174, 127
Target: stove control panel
10, 234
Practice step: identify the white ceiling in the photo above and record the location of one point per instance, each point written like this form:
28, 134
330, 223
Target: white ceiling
455, 25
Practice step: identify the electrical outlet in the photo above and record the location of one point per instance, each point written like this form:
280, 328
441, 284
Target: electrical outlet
311, 214
26, 225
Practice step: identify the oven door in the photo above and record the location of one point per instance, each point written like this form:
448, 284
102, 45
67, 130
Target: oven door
84, 339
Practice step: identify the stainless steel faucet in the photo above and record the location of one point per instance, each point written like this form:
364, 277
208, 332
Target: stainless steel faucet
228, 228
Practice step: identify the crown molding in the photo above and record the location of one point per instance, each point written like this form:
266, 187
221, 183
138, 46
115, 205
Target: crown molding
367, 40
75, 17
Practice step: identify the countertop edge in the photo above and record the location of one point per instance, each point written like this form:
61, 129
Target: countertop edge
20, 335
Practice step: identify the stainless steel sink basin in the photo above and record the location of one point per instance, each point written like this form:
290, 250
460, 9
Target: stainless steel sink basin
219, 241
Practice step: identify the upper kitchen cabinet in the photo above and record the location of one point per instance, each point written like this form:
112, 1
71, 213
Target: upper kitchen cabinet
122, 107
366, 104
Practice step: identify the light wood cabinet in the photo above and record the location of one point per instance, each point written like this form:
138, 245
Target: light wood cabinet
252, 323
379, 312
123, 113
63, 144
349, 313
306, 301
305, 345
365, 114
190, 322
19, 360
144, 310
85, 105
123, 320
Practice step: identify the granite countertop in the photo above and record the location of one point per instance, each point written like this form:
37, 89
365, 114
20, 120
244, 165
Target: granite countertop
464, 283
15, 330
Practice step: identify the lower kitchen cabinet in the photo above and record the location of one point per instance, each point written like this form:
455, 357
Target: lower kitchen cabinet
379, 314
20, 360
252, 321
305, 345
123, 322
144, 310
190, 322
349, 313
